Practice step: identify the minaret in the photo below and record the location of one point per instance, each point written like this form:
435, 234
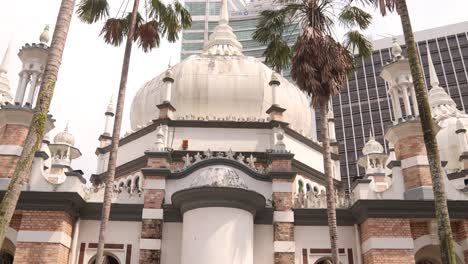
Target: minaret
34, 58
406, 134
5, 91
374, 161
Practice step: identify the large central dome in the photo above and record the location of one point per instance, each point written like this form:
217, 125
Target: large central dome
222, 83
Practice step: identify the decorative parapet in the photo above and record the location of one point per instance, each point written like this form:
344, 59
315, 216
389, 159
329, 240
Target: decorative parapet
312, 200
248, 162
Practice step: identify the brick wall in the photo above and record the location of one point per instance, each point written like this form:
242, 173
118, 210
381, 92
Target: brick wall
385, 227
410, 147
13, 134
45, 251
419, 229
388, 228
388, 256
417, 176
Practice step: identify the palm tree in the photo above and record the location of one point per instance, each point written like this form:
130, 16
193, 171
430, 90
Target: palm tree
440, 198
320, 63
39, 119
161, 20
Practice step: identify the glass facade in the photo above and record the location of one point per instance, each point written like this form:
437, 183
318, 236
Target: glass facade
364, 104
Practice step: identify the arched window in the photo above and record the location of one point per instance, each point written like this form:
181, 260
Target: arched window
326, 260
300, 186
425, 261
108, 259
308, 187
6, 258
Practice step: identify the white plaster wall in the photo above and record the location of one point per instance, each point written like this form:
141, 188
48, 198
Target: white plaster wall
118, 232
172, 186
263, 244
216, 139
304, 153
318, 237
171, 248
217, 235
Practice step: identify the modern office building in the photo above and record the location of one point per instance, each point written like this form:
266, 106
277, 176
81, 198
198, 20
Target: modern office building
364, 105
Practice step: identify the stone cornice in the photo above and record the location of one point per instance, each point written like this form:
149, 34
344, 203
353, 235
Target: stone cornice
218, 124
312, 173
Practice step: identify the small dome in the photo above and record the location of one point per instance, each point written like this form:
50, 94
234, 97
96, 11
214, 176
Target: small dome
44, 38
218, 177
372, 147
64, 137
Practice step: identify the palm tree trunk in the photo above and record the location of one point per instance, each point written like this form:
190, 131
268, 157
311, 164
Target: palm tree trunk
109, 183
39, 119
438, 186
327, 164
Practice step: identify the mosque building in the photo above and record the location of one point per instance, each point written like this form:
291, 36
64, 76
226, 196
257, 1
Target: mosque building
220, 168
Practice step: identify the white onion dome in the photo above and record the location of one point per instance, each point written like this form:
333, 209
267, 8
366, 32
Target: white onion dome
222, 84
218, 177
372, 147
64, 137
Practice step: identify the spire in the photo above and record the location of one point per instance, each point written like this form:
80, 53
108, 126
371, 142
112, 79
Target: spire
5, 60
110, 107
224, 15
44, 37
5, 92
223, 41
432, 72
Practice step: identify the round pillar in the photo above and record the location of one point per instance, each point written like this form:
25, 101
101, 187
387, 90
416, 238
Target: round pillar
217, 235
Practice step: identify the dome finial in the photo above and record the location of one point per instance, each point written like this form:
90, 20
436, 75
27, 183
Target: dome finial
432, 72
223, 41
110, 106
396, 49
44, 37
169, 63
224, 15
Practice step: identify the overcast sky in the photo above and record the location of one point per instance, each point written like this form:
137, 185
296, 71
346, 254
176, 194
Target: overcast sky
90, 71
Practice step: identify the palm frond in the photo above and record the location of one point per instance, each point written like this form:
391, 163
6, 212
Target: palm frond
277, 54
91, 11
320, 65
148, 35
384, 5
184, 15
352, 16
355, 41
114, 31
139, 21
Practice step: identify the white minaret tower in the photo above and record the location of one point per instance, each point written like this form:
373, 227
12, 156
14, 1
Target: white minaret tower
5, 91
34, 58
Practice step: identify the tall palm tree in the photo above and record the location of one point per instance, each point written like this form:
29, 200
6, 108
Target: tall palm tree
440, 198
161, 20
320, 63
39, 119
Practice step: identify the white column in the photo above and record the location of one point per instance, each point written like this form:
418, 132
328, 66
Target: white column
107, 125
396, 104
331, 129
415, 102
168, 91
462, 141
406, 100
32, 88
274, 88
24, 78
217, 235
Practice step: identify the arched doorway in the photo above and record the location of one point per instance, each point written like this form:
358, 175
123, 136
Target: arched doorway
7, 252
107, 260
430, 254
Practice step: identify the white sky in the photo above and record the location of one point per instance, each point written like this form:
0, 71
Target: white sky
90, 71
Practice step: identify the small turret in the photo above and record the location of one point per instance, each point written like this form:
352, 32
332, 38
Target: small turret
166, 109
373, 161
34, 58
275, 111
